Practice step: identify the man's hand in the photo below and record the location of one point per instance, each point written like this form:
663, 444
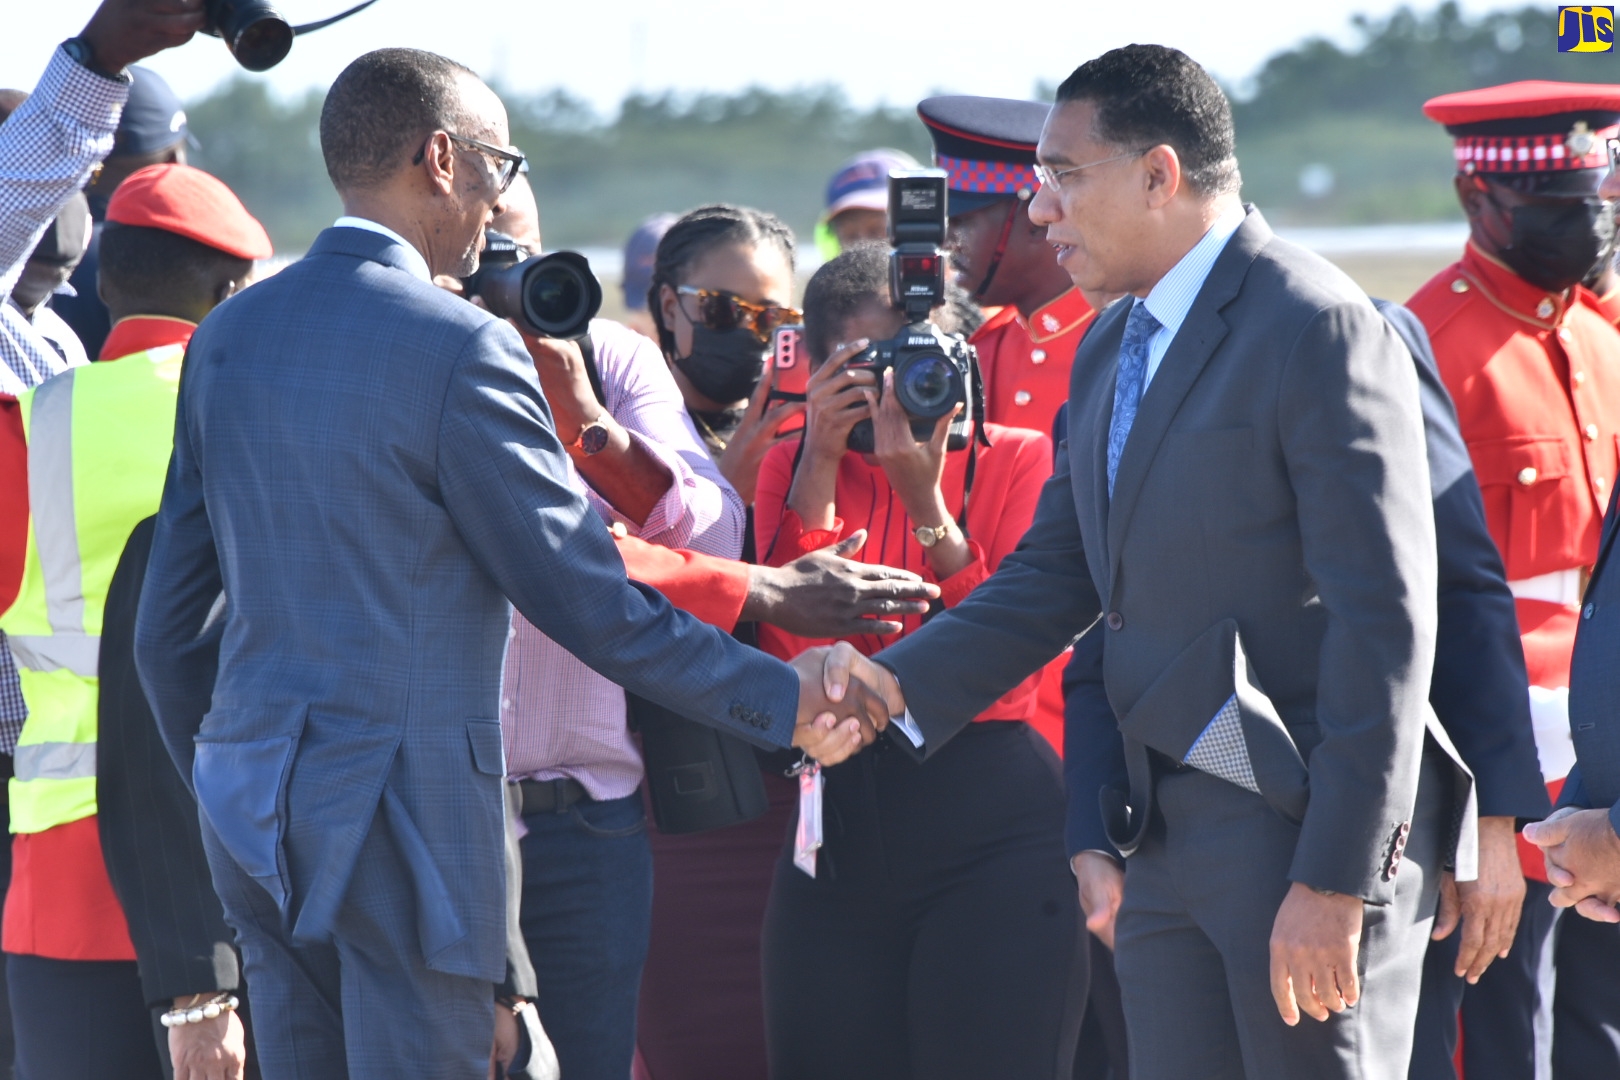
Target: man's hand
834, 721
1583, 861
844, 666
1488, 908
505, 1045
209, 1050
124, 32
1102, 888
825, 595
755, 435
1314, 943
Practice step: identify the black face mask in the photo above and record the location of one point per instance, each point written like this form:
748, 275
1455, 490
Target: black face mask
1554, 246
724, 365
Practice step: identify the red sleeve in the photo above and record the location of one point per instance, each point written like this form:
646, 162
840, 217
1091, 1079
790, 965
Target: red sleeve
954, 589
705, 586
779, 533
13, 500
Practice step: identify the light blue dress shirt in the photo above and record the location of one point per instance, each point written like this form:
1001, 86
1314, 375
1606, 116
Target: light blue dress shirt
1171, 299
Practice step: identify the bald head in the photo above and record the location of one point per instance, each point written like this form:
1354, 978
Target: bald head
9, 100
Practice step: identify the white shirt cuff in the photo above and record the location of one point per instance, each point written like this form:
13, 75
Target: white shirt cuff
908, 727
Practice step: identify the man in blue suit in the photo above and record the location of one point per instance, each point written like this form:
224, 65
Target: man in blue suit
366, 467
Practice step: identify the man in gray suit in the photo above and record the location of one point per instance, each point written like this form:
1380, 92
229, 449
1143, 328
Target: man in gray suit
365, 465
1243, 502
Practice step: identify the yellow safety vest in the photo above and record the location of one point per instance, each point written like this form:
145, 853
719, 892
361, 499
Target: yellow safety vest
99, 441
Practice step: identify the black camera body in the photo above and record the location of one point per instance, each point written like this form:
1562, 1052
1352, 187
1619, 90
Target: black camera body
555, 295
256, 33
934, 372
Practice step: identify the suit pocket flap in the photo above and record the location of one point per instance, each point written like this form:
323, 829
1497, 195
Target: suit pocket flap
488, 749
1521, 459
241, 786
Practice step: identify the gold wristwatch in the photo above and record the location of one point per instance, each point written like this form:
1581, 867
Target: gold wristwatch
593, 437
929, 535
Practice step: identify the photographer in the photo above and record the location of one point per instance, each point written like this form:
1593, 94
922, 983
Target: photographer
940, 935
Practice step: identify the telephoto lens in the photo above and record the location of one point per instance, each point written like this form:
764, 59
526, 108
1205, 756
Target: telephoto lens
553, 295
253, 30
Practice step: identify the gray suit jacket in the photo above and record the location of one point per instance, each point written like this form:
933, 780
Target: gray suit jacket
1270, 537
366, 465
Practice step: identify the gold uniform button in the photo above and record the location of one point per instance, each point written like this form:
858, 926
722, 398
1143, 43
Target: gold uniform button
1599, 483
1038, 356
1563, 335
1459, 286
1580, 378
1021, 398
1527, 475
1545, 309
1590, 432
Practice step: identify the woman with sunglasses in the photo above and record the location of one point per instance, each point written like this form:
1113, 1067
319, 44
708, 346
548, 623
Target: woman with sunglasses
722, 280
936, 932
721, 283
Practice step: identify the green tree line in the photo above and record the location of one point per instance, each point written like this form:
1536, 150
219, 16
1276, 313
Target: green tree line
1327, 134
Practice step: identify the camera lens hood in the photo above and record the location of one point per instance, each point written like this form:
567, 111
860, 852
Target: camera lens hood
555, 295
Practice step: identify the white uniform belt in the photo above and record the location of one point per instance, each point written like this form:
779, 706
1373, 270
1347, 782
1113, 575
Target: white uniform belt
1558, 587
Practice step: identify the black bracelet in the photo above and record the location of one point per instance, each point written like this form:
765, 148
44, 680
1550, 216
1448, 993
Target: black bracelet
82, 54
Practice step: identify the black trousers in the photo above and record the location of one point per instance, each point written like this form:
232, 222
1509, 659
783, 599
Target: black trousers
80, 1020
1549, 1009
941, 938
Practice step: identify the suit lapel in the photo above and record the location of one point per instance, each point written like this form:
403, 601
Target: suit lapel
1607, 540
1200, 334
1091, 399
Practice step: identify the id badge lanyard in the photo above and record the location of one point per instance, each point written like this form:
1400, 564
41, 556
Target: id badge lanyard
807, 837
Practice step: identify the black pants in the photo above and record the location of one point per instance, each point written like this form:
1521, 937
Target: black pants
80, 1020
941, 937
1507, 1014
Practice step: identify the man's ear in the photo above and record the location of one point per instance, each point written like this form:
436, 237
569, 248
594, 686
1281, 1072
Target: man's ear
1163, 175
439, 162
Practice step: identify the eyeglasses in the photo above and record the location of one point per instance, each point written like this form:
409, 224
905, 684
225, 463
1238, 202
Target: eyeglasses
1614, 155
508, 163
721, 310
1054, 178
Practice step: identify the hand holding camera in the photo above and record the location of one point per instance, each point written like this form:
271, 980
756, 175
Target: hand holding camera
124, 32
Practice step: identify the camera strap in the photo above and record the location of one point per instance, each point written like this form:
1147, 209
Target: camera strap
587, 349
1001, 250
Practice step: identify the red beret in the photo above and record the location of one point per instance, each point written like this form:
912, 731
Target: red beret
1530, 127
190, 202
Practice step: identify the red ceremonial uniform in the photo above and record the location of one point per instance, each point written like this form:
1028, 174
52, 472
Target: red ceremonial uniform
1026, 362
1536, 380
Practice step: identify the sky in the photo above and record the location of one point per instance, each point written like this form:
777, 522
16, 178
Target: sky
891, 51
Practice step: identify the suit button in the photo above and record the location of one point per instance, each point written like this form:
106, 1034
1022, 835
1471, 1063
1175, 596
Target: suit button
1115, 621
1527, 475
1021, 398
1037, 356
1586, 612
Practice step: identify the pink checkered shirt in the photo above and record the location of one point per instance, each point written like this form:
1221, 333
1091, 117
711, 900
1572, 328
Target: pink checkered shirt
560, 718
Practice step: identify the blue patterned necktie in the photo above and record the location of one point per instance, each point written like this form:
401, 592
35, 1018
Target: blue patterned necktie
1140, 326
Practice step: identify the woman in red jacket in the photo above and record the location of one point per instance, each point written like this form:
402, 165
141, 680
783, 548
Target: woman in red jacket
940, 935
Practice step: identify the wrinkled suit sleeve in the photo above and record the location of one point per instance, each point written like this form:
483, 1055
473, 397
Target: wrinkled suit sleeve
504, 480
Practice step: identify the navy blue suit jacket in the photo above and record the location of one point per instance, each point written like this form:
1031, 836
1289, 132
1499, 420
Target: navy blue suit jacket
1594, 688
1478, 686
367, 468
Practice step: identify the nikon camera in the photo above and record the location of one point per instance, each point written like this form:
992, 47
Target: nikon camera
933, 371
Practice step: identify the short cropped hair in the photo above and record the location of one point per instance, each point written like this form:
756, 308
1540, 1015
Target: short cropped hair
380, 110
1148, 95
841, 289
148, 269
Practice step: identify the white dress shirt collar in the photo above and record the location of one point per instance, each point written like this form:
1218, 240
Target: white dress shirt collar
1172, 298
415, 264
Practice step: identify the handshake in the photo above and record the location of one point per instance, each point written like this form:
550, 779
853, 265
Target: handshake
844, 701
